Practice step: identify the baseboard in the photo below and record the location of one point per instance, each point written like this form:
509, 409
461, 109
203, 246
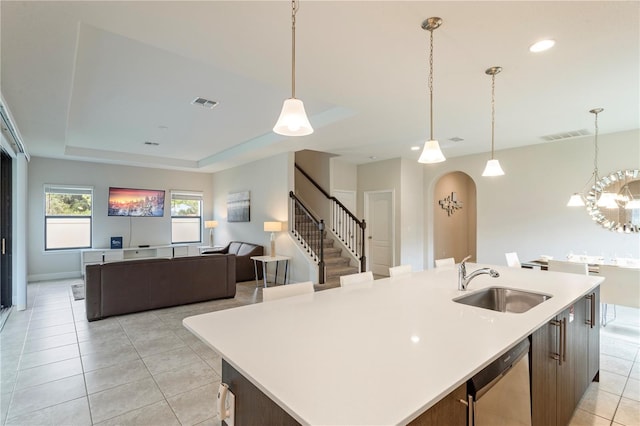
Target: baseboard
53, 276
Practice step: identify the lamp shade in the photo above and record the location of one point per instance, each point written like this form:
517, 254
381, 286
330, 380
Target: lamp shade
272, 226
575, 201
210, 224
431, 153
607, 200
493, 169
293, 119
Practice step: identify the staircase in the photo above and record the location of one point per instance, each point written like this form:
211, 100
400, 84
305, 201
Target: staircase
336, 265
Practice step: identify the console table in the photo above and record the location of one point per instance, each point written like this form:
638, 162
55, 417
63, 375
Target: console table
98, 256
266, 259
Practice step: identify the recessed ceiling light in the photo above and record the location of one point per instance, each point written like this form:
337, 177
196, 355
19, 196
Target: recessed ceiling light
151, 143
415, 148
205, 103
373, 157
542, 45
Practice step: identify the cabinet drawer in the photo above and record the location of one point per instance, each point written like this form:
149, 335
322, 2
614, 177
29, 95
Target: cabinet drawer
92, 256
164, 252
181, 251
112, 256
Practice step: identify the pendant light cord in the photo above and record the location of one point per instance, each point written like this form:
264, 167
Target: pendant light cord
595, 156
430, 83
294, 10
493, 110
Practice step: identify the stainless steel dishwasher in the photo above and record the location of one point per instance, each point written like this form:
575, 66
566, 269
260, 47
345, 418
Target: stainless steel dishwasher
500, 393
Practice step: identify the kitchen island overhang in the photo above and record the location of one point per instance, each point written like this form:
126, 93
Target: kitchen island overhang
381, 353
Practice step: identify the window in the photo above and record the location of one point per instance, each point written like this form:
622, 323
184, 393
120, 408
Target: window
67, 217
186, 217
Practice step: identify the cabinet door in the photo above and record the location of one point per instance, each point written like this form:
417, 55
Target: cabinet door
594, 337
448, 411
580, 349
544, 347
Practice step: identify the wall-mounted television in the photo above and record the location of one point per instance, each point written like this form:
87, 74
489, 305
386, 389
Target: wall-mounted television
136, 202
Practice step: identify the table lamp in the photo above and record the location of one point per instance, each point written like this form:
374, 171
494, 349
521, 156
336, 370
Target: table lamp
273, 227
210, 224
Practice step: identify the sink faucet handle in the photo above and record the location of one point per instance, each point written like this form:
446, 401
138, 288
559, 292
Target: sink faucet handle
465, 259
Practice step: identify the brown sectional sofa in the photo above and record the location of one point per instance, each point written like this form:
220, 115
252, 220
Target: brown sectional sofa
245, 270
138, 285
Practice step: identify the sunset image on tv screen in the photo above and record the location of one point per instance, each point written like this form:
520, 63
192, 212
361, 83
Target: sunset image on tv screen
136, 202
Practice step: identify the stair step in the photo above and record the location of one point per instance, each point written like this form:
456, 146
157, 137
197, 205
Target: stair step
332, 252
337, 272
335, 261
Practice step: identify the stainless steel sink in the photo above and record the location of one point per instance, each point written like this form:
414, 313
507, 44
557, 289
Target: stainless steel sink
503, 299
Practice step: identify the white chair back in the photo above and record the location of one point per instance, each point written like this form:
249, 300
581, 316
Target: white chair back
447, 261
512, 260
362, 277
621, 286
395, 271
282, 291
571, 267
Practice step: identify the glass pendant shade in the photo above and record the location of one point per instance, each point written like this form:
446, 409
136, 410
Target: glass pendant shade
293, 119
632, 204
575, 201
607, 200
431, 153
493, 169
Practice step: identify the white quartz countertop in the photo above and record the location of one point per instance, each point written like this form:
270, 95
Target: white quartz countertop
381, 353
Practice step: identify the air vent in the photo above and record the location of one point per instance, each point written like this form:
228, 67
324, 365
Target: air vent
456, 139
204, 103
151, 143
566, 135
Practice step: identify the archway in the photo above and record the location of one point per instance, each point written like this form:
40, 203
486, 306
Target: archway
454, 217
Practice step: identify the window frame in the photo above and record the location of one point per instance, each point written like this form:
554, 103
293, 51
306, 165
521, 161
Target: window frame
60, 189
186, 195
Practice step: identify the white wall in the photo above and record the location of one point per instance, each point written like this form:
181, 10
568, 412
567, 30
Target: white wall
525, 210
344, 176
269, 182
135, 231
411, 215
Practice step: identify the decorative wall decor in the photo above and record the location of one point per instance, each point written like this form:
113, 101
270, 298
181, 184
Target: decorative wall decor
450, 203
238, 207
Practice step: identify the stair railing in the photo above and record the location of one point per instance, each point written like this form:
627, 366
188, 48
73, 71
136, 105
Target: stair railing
347, 227
309, 232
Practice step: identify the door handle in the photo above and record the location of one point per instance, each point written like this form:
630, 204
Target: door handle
563, 332
370, 237
592, 310
557, 355
3, 249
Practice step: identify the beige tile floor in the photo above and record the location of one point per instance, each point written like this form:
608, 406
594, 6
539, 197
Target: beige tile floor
146, 369
56, 368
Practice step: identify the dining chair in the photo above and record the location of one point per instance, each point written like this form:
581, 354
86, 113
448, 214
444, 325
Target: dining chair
395, 271
512, 260
447, 261
362, 277
571, 267
621, 286
282, 291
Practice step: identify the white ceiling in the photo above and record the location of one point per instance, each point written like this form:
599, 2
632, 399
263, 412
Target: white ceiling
95, 80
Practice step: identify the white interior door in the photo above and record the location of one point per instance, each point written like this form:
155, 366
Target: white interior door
379, 212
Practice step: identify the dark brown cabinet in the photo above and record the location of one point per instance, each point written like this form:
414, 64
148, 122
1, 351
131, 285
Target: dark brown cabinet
564, 360
450, 410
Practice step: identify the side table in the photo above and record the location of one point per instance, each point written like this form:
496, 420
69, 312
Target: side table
267, 259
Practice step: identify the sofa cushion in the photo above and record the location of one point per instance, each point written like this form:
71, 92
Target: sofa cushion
246, 249
234, 246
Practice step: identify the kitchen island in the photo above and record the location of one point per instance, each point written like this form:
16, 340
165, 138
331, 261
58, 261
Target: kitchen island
383, 352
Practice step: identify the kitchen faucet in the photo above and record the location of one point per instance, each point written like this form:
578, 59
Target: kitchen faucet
464, 279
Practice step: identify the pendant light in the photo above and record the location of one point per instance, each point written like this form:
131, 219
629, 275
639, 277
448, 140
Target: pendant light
493, 166
431, 152
293, 119
578, 198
